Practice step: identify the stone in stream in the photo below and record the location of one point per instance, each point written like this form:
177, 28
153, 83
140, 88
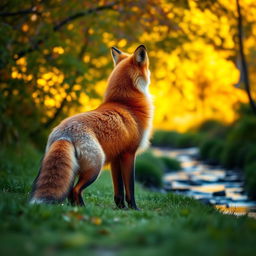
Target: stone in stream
174, 176
238, 197
217, 173
219, 193
194, 182
177, 186
234, 185
184, 159
204, 178
235, 191
190, 151
233, 178
206, 197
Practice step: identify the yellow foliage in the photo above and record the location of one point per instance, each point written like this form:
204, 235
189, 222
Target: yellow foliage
58, 49
86, 58
122, 43
70, 26
22, 61
25, 27
41, 82
197, 87
33, 17
99, 62
190, 83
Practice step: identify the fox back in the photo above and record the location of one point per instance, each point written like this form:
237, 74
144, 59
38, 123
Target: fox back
112, 133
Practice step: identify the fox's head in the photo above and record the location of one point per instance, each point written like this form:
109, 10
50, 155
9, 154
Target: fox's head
131, 74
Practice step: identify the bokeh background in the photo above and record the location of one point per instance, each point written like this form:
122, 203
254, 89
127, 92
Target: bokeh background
55, 59
54, 62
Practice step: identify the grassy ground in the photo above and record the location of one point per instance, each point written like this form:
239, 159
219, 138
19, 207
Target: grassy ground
167, 224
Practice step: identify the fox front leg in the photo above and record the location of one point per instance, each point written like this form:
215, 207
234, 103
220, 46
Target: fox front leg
128, 172
117, 183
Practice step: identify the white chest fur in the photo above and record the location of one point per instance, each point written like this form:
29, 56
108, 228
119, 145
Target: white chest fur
142, 85
144, 143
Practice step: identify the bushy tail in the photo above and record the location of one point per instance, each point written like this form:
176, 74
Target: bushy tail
56, 175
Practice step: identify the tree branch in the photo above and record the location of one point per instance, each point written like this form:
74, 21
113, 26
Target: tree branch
81, 14
22, 12
62, 23
243, 59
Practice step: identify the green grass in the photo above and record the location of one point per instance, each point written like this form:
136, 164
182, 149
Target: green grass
167, 224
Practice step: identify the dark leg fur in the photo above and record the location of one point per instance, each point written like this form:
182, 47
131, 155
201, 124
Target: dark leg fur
118, 183
128, 171
85, 179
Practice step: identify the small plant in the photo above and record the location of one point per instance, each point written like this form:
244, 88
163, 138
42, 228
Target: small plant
165, 138
216, 152
186, 140
209, 125
148, 174
175, 139
250, 179
240, 142
171, 164
151, 158
149, 169
251, 155
214, 129
206, 147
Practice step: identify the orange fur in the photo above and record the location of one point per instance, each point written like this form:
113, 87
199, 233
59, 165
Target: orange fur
111, 133
52, 184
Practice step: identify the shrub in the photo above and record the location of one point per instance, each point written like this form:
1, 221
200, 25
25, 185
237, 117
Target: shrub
149, 169
245, 110
209, 125
250, 179
240, 141
148, 174
215, 153
251, 155
206, 147
151, 158
230, 154
188, 140
165, 138
175, 139
171, 164
213, 128
244, 130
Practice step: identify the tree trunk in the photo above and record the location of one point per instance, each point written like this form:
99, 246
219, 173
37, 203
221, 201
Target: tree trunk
243, 60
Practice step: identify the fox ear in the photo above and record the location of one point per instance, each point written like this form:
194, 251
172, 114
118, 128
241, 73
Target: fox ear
115, 54
140, 54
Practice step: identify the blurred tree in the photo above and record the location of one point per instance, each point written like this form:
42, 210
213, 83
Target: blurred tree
243, 60
54, 58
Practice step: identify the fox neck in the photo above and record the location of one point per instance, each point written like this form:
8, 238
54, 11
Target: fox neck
122, 89
128, 93
136, 99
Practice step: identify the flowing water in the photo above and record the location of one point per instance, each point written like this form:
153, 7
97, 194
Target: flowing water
210, 184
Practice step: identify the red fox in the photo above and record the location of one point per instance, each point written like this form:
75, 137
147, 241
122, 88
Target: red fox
112, 133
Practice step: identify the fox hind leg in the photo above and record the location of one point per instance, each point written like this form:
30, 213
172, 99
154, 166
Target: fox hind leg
86, 178
91, 159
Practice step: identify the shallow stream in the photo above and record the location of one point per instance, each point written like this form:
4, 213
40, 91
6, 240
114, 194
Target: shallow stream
210, 184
